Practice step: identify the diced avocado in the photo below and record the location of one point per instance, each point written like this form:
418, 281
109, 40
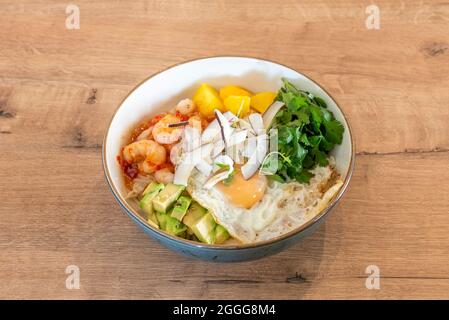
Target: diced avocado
170, 225
221, 234
153, 187
174, 226
146, 203
194, 213
163, 201
162, 219
180, 208
152, 219
204, 229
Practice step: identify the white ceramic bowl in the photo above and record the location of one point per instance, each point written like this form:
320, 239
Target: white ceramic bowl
164, 89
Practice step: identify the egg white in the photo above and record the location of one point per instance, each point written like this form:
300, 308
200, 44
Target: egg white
284, 207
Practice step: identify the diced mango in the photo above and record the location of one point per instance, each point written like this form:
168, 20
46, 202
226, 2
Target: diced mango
233, 91
261, 101
207, 100
238, 105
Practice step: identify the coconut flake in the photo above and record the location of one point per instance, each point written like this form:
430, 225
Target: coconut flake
188, 162
236, 153
244, 124
191, 139
219, 146
204, 167
213, 130
250, 146
257, 123
225, 127
237, 137
256, 159
223, 160
270, 113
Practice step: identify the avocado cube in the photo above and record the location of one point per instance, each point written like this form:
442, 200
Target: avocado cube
152, 220
180, 208
153, 187
146, 203
162, 220
194, 213
204, 229
221, 234
174, 227
165, 199
170, 225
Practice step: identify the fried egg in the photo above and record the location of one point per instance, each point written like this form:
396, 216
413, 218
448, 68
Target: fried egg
254, 210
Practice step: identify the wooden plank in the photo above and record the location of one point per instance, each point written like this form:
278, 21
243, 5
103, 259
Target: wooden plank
402, 230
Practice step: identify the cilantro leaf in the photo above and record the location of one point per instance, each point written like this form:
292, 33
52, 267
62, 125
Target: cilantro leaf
228, 180
320, 102
334, 131
276, 177
304, 176
307, 132
222, 165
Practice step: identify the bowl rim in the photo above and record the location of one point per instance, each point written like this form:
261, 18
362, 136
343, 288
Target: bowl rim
137, 218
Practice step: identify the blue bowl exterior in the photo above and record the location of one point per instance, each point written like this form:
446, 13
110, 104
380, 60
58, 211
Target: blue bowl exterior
222, 254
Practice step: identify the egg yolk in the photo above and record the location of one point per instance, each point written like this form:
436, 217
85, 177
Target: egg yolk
244, 193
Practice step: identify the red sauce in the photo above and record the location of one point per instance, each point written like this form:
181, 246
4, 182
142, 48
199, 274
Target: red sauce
156, 119
181, 116
137, 131
145, 125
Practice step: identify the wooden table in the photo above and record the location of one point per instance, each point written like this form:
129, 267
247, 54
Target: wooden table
59, 88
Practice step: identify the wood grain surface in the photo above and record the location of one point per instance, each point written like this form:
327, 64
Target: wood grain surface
59, 88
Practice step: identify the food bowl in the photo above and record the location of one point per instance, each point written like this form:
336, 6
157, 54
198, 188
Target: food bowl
164, 89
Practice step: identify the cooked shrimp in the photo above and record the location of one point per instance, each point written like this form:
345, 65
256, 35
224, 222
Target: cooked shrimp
186, 107
148, 153
175, 153
147, 167
195, 122
164, 176
164, 134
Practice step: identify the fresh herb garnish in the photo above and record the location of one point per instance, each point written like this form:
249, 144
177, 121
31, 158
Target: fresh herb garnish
227, 182
222, 165
226, 167
307, 132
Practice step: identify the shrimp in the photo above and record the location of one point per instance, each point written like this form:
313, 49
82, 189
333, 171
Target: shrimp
175, 153
147, 153
196, 122
186, 107
164, 176
164, 134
